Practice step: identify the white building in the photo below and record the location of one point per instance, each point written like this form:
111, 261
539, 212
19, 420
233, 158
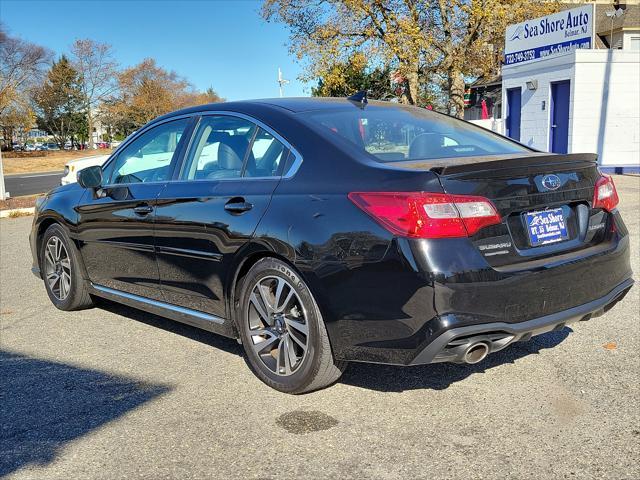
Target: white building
582, 101
568, 87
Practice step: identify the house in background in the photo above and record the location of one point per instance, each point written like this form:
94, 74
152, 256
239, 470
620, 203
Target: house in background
489, 90
618, 32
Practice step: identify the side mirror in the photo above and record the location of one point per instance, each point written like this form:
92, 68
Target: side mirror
90, 177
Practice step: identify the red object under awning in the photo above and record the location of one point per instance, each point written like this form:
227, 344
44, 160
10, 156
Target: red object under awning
485, 110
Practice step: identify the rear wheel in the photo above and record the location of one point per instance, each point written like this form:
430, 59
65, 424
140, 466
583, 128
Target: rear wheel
60, 268
282, 331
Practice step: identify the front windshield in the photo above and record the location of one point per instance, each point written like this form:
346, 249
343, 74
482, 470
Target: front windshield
393, 134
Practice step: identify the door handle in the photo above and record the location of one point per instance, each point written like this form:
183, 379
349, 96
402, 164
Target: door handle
237, 205
143, 210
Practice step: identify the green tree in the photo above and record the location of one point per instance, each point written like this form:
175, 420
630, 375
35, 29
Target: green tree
346, 78
58, 103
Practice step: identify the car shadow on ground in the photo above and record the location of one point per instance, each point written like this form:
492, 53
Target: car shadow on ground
45, 404
439, 376
385, 378
228, 345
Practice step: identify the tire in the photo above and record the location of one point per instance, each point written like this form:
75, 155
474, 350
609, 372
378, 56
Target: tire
273, 333
60, 259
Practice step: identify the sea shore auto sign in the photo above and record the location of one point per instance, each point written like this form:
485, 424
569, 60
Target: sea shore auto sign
551, 35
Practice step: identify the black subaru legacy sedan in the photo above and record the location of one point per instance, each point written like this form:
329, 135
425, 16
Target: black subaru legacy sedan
322, 231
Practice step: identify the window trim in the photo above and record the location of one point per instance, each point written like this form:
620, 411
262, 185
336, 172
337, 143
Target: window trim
249, 152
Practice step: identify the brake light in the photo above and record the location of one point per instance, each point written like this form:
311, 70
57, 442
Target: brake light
605, 195
427, 215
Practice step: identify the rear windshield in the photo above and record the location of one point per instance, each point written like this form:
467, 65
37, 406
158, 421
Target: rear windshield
394, 134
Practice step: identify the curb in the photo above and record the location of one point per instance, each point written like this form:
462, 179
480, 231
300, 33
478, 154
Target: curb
17, 212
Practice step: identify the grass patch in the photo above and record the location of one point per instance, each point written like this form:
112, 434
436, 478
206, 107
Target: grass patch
19, 213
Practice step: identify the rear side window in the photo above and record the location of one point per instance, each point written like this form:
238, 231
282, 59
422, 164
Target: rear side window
267, 153
393, 134
219, 148
231, 147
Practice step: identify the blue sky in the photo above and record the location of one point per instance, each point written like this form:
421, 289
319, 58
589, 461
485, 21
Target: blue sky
218, 43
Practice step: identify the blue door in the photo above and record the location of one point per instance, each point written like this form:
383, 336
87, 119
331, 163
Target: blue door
560, 94
514, 102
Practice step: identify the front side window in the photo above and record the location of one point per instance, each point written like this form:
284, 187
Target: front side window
219, 148
149, 157
393, 134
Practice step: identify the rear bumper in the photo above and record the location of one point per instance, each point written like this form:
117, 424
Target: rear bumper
451, 345
443, 291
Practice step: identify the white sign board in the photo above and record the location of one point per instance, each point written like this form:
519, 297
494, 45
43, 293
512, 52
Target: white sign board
551, 35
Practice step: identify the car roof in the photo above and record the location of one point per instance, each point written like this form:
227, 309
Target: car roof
291, 104
306, 104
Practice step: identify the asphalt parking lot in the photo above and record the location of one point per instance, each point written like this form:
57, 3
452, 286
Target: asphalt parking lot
115, 393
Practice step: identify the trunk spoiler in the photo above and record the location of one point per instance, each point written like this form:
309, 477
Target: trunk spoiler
475, 164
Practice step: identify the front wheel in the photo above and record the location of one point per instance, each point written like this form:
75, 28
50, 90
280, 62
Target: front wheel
60, 267
282, 331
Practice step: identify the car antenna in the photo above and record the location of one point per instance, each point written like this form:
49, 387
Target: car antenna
359, 99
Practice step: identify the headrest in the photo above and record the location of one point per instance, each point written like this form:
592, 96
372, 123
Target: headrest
231, 152
426, 145
215, 137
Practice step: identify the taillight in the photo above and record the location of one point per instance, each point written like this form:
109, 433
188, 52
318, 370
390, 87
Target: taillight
427, 215
605, 195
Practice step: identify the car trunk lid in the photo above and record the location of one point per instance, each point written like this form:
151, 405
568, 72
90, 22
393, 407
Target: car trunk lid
545, 202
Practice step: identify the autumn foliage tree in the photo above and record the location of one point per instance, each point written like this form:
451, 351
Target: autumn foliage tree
329, 33
467, 37
68, 97
146, 91
22, 67
422, 41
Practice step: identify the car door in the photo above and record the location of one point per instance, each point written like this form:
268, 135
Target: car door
213, 207
115, 224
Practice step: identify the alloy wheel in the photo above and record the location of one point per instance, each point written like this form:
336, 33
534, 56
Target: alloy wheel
278, 326
57, 268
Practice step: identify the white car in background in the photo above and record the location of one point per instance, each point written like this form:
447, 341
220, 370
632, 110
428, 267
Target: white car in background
72, 168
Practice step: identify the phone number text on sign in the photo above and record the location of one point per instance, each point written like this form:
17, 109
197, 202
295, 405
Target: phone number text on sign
518, 57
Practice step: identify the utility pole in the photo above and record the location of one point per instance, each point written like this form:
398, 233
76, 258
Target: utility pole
3, 193
613, 14
281, 81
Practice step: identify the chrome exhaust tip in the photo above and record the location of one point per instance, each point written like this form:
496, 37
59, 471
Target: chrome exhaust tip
476, 353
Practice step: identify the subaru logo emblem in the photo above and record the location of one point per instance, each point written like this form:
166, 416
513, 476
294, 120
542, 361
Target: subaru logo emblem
551, 182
